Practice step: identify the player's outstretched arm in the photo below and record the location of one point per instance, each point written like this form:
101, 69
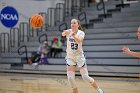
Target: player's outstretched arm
126, 50
78, 40
65, 33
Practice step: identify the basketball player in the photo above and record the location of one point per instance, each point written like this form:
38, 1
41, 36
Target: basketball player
75, 56
128, 51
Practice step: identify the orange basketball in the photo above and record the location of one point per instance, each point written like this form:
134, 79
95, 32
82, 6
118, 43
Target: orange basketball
36, 21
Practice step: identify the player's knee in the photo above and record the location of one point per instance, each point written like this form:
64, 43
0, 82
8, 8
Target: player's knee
71, 75
87, 78
71, 78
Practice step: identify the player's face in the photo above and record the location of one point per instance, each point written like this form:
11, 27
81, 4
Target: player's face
138, 34
74, 24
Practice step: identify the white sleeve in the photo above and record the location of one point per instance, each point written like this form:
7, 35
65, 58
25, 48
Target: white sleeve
82, 34
69, 31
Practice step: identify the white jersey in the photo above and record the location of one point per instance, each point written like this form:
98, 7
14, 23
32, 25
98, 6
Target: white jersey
74, 49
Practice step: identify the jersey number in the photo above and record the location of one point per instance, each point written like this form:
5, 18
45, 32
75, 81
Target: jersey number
74, 46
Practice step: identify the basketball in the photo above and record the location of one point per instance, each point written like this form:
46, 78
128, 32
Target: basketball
36, 21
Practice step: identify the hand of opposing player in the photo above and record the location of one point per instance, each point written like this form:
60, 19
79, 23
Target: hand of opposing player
126, 50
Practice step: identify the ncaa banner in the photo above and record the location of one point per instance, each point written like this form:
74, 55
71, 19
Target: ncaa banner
9, 16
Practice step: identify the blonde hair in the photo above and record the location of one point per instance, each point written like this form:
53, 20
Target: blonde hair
80, 27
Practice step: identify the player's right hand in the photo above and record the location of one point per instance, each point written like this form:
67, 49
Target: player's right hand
65, 33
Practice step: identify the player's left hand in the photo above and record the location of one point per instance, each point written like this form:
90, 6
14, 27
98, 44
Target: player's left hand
73, 34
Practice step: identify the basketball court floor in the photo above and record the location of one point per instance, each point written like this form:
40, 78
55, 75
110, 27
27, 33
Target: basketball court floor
32, 83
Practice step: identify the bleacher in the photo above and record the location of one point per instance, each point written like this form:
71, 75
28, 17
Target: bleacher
106, 34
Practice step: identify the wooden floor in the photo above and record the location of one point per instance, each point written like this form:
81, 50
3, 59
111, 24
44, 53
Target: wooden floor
29, 83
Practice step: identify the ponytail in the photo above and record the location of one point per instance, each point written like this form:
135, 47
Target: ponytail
80, 27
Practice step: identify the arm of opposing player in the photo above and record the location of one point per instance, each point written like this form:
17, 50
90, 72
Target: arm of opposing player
135, 54
129, 52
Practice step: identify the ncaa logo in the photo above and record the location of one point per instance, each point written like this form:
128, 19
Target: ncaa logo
9, 16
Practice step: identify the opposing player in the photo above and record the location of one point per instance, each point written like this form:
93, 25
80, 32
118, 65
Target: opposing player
75, 56
128, 51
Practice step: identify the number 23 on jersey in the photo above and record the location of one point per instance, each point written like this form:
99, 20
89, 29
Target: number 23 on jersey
74, 46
